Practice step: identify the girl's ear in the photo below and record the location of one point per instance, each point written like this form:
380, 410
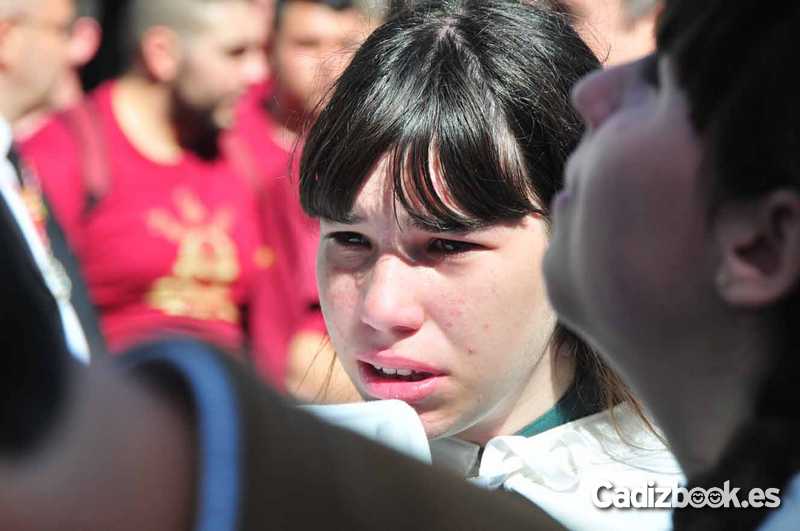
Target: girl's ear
759, 243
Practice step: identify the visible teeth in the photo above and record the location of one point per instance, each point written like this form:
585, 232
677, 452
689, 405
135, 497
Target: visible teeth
394, 372
399, 373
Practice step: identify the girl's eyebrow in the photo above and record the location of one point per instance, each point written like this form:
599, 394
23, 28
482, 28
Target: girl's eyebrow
437, 226
349, 219
428, 224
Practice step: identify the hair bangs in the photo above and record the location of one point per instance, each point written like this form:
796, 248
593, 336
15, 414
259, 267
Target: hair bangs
462, 173
451, 157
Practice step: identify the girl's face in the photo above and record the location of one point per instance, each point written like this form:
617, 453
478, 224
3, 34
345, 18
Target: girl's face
455, 324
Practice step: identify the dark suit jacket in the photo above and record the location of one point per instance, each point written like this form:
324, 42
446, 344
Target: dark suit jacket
265, 465
34, 350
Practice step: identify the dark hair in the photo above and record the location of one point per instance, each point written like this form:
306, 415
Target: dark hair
481, 88
744, 107
336, 5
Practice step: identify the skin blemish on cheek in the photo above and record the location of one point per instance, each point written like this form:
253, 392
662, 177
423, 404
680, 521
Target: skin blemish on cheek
456, 311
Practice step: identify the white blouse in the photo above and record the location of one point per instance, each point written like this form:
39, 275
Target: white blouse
561, 469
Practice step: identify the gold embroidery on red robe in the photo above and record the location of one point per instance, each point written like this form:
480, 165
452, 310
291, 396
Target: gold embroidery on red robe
206, 264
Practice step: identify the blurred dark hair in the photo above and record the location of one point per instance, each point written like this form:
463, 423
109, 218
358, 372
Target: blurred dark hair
481, 90
734, 60
336, 5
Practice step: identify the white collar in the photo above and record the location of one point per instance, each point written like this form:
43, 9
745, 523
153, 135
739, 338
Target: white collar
6, 137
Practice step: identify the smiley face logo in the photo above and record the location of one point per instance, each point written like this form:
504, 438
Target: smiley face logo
715, 498
697, 497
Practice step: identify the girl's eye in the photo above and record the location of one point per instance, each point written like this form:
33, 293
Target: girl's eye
349, 239
449, 247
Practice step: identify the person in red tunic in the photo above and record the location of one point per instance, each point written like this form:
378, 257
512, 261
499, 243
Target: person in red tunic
164, 225
311, 43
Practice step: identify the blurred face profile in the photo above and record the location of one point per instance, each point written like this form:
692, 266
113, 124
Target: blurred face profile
628, 260
454, 323
221, 60
311, 48
37, 53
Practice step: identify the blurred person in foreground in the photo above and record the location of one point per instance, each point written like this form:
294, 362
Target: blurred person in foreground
83, 41
188, 439
312, 41
676, 249
37, 29
163, 223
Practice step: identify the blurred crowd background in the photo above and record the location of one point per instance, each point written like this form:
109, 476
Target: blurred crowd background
167, 148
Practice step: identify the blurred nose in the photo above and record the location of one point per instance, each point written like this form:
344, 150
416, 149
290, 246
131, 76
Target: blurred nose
389, 301
598, 95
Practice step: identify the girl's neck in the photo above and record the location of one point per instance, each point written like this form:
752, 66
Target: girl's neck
551, 378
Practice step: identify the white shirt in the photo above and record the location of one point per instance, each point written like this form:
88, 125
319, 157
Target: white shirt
52, 271
560, 469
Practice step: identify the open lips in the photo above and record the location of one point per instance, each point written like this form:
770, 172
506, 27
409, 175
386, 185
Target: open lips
399, 374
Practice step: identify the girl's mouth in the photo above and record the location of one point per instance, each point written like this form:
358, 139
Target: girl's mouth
397, 383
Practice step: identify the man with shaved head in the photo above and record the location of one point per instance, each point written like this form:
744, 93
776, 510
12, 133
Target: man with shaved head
139, 168
200, 54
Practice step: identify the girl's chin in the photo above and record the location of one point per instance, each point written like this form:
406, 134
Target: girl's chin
436, 428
